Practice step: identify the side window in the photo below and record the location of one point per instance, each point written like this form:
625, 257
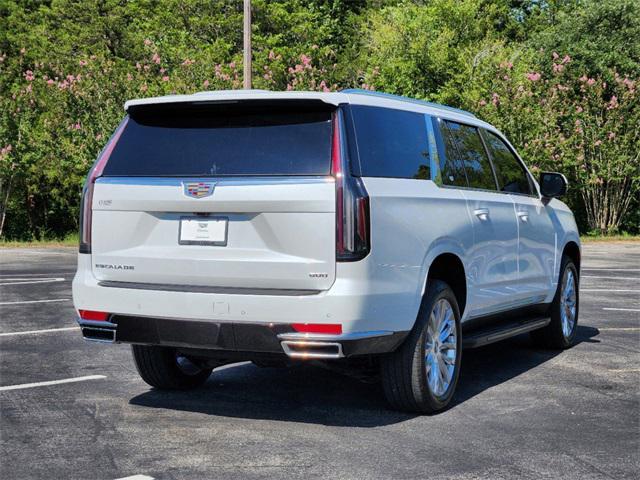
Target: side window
451, 169
472, 154
512, 176
391, 143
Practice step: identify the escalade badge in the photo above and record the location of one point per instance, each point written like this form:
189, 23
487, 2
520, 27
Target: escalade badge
198, 189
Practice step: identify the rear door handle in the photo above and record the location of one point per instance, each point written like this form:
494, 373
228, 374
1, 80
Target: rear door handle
524, 216
482, 213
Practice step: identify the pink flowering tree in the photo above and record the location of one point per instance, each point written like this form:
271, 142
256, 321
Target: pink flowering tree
566, 121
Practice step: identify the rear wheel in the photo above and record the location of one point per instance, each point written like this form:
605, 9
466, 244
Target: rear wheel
421, 376
165, 368
561, 332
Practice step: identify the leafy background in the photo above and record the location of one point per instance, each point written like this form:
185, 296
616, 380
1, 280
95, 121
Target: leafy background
558, 77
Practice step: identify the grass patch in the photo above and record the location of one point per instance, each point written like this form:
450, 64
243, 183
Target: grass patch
624, 237
70, 240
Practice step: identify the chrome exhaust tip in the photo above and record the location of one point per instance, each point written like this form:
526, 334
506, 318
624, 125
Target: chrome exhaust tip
97, 334
302, 349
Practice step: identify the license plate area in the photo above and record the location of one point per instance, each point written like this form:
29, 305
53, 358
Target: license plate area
203, 231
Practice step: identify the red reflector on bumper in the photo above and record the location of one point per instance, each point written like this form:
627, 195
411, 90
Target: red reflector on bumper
330, 328
92, 315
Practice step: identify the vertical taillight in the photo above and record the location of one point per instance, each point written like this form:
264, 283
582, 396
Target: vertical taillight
352, 201
87, 191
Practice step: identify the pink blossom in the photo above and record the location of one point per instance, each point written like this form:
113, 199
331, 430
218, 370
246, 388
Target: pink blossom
76, 126
289, 86
162, 70
144, 87
205, 84
70, 78
83, 63
165, 78
579, 109
555, 55
495, 98
28, 75
306, 61
147, 42
591, 81
28, 88
138, 66
482, 103
271, 55
50, 82
597, 143
611, 135
613, 103
534, 76
129, 77
583, 78
155, 58
558, 67
232, 65
323, 86
566, 59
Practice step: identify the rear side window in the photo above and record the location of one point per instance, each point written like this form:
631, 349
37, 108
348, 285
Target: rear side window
472, 155
451, 166
391, 143
512, 176
218, 141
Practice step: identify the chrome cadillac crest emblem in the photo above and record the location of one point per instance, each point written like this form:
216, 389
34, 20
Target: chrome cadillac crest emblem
198, 189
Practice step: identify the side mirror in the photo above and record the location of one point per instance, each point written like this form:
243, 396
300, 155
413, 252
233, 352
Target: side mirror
553, 185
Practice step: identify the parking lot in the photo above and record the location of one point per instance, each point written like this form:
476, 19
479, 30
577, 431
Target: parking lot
73, 409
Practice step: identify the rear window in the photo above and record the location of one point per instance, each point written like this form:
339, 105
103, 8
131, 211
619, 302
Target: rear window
221, 140
392, 143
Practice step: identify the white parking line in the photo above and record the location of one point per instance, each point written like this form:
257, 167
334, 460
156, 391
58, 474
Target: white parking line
620, 329
40, 280
35, 332
610, 278
612, 269
136, 477
37, 301
607, 290
52, 382
48, 275
623, 309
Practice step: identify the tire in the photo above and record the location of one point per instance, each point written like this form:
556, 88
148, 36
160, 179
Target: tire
558, 334
163, 368
404, 372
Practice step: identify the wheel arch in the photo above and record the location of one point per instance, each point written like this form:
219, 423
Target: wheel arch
448, 267
572, 250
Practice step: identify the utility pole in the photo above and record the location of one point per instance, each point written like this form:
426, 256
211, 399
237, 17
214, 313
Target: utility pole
247, 45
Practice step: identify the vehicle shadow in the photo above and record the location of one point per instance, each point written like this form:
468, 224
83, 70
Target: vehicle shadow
308, 394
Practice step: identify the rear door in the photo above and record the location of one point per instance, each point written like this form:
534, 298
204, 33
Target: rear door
225, 195
493, 272
537, 236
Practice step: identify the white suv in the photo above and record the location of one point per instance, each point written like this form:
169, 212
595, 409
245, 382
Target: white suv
279, 227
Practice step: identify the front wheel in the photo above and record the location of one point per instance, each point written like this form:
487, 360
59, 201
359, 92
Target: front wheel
421, 376
166, 369
561, 332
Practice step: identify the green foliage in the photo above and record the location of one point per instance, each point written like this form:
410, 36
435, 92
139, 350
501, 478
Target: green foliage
67, 66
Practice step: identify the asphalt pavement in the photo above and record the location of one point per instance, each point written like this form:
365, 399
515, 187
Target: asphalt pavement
77, 410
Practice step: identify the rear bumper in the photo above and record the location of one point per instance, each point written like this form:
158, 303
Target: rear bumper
240, 338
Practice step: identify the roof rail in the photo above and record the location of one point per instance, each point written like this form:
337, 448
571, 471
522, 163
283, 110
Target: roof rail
400, 98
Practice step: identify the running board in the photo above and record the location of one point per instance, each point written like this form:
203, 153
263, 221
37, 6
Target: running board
495, 333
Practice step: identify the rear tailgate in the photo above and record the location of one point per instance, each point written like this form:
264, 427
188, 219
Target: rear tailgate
235, 196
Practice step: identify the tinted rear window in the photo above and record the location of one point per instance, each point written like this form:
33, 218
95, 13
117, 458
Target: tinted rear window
391, 143
227, 140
